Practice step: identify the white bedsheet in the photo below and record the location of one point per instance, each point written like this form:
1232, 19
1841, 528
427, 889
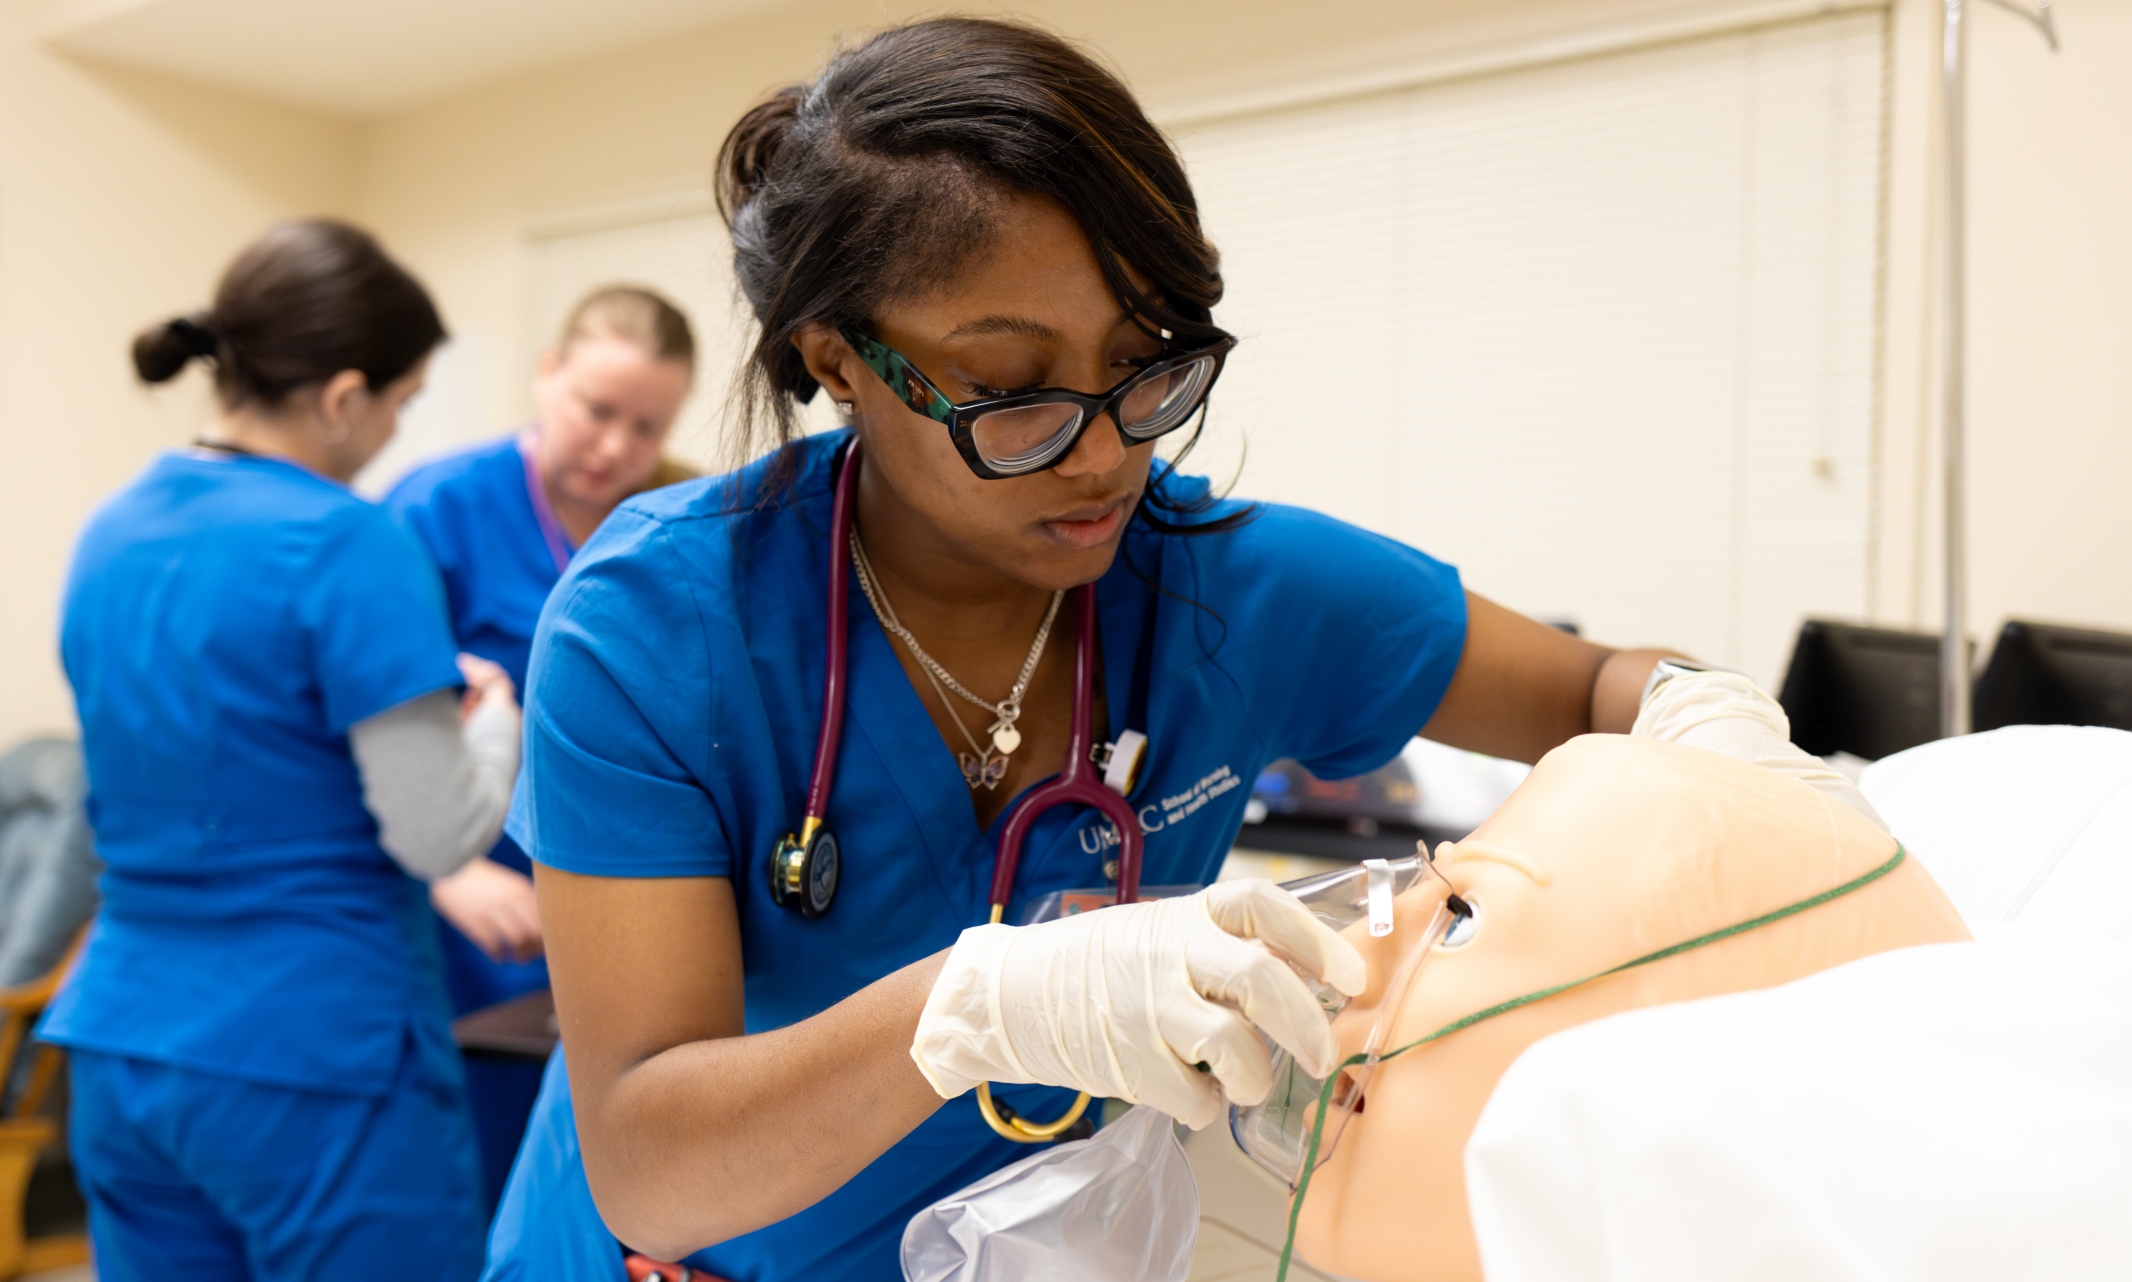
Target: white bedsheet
1959, 1111
2030, 823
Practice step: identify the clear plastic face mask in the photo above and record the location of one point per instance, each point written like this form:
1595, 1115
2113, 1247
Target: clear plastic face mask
1276, 1134
1363, 892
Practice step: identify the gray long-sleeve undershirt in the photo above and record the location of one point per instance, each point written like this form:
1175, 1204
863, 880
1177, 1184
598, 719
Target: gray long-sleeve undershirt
438, 789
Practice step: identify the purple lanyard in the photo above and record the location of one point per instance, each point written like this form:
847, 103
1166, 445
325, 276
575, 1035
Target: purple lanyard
551, 529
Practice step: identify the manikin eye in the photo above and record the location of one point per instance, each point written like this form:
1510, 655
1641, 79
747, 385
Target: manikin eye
1465, 922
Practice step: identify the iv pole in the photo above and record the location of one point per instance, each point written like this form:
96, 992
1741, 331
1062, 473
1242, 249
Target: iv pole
1954, 649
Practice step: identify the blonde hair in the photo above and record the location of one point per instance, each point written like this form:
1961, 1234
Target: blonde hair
636, 315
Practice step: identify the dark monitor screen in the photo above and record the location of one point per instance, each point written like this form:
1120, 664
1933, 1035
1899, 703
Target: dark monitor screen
1372, 816
2041, 674
1868, 691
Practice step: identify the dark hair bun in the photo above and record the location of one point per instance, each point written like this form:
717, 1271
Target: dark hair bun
161, 352
303, 302
752, 147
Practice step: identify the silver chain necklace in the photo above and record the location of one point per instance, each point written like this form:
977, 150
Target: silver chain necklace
985, 764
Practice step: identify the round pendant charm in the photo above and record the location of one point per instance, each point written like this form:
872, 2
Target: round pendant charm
1006, 739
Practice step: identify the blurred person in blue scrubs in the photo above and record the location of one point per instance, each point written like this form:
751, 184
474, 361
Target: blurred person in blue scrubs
284, 746
971, 238
501, 521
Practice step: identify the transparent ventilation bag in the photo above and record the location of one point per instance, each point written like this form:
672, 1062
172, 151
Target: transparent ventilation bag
1121, 1205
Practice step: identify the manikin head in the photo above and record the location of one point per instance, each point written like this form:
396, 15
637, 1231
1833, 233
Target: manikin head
607, 394
1613, 848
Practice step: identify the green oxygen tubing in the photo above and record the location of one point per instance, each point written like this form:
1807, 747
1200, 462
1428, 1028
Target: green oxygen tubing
1317, 1127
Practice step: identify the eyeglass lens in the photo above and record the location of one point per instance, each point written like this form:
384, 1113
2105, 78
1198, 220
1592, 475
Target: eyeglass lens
1158, 404
1027, 435
1023, 436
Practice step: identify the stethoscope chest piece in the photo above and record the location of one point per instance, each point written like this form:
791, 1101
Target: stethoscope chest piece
805, 869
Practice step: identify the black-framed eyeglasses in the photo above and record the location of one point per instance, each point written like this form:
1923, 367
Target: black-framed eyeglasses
1003, 436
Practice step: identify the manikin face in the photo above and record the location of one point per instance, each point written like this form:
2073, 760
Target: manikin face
606, 405
1613, 848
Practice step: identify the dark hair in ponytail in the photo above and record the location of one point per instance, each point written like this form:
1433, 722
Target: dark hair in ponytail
302, 303
882, 177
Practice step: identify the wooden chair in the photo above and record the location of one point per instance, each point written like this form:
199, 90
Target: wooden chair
24, 1133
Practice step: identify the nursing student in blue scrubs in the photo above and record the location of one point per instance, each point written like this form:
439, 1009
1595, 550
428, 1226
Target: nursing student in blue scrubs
958, 213
284, 745
500, 521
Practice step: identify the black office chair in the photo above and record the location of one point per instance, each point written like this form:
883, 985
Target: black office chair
47, 892
1871, 692
2044, 674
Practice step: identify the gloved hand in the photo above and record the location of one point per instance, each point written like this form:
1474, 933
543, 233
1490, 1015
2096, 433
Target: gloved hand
1123, 1002
1725, 713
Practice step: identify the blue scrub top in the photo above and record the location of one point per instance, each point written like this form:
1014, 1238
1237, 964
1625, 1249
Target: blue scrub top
226, 620
676, 693
474, 512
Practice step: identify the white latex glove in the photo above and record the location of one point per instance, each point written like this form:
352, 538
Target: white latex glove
1725, 713
1123, 1002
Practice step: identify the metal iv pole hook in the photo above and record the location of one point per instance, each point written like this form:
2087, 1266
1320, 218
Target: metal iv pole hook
2038, 17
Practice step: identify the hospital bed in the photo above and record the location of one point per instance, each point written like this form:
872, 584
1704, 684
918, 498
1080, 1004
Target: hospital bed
1960, 1111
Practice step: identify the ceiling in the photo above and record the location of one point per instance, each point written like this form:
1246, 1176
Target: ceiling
358, 58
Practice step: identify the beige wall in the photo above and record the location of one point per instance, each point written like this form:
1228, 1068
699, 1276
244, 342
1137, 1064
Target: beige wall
2050, 293
2050, 322
120, 196
457, 184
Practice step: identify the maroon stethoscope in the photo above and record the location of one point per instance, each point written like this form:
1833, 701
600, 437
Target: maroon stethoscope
805, 867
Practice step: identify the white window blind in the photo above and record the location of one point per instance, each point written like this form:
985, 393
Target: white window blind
1600, 333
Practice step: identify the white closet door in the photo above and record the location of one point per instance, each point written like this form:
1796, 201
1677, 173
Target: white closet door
683, 255
1601, 333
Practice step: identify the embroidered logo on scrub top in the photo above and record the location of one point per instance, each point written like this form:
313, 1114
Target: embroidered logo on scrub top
1101, 835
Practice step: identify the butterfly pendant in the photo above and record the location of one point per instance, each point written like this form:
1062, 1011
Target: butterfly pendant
982, 772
